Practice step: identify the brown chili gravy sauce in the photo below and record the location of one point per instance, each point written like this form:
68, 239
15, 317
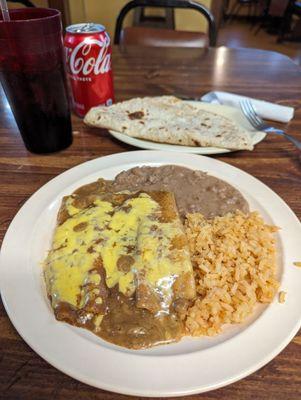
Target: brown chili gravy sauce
124, 323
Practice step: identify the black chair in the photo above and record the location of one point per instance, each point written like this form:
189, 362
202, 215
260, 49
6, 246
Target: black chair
165, 21
238, 4
285, 31
265, 17
164, 37
25, 3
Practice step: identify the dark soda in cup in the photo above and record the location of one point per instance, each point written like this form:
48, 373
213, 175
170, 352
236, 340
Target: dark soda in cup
32, 74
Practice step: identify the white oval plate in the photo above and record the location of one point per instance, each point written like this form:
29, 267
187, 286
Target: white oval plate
190, 366
226, 111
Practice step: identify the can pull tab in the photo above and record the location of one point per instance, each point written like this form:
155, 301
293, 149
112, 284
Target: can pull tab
87, 27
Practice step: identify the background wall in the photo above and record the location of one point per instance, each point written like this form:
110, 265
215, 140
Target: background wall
190, 20
77, 11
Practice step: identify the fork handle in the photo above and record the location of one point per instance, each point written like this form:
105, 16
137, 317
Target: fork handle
296, 142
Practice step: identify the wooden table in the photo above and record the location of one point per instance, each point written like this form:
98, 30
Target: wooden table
138, 72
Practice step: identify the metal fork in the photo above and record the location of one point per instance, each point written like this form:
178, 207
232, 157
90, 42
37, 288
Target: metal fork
251, 115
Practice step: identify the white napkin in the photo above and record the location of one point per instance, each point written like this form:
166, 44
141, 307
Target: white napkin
264, 109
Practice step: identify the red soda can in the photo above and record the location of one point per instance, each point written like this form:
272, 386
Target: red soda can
89, 66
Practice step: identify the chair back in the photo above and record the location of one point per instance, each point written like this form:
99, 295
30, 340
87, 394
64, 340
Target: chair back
25, 3
187, 4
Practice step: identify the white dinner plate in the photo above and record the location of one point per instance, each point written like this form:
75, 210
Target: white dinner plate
193, 365
226, 111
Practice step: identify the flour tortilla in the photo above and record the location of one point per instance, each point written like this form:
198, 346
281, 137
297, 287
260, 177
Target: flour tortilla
166, 119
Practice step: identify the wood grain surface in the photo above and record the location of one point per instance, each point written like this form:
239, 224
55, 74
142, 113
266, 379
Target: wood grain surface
139, 72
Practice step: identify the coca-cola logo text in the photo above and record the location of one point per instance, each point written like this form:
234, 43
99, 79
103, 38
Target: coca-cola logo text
81, 63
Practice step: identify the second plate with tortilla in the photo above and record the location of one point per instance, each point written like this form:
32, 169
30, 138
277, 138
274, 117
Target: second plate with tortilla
226, 111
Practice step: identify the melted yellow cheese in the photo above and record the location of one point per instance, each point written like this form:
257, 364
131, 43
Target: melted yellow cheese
106, 232
160, 270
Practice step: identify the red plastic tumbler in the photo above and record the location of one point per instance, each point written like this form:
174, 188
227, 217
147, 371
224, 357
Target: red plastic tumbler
32, 73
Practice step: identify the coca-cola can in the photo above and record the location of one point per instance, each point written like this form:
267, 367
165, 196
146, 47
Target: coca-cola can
89, 66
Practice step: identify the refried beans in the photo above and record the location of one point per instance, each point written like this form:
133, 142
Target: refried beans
195, 191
